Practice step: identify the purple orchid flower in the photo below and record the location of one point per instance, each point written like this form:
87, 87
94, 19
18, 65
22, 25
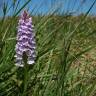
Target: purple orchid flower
25, 40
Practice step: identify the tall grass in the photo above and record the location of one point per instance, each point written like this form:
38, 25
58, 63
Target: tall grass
65, 53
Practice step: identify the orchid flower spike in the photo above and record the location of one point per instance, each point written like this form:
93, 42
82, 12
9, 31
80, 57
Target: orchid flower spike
25, 40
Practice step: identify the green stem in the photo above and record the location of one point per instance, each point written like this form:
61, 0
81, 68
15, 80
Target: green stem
25, 82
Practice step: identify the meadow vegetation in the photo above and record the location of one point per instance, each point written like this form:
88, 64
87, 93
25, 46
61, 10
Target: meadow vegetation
66, 56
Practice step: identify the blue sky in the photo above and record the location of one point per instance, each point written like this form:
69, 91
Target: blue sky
48, 6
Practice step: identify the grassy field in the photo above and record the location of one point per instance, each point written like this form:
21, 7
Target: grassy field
66, 56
